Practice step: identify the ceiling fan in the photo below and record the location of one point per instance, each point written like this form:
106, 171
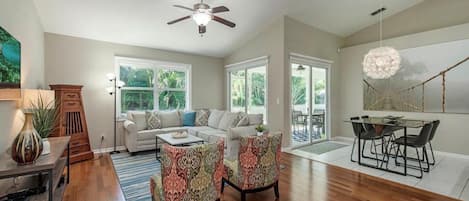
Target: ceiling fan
203, 14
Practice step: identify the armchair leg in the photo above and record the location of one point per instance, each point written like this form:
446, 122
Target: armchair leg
243, 196
222, 185
277, 195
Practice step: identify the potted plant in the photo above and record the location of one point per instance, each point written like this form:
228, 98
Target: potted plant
45, 116
260, 129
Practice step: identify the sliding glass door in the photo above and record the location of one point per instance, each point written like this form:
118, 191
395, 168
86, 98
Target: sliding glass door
247, 90
309, 93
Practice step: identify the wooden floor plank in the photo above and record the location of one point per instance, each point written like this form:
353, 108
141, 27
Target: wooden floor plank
301, 180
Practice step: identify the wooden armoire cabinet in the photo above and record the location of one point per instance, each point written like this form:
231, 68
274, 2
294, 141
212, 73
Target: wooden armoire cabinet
72, 121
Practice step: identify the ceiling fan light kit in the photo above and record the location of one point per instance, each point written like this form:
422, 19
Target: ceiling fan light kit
203, 14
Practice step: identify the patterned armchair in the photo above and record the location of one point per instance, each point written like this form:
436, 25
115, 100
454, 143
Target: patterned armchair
257, 166
189, 173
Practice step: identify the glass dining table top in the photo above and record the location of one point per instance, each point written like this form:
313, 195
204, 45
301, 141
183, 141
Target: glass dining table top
396, 122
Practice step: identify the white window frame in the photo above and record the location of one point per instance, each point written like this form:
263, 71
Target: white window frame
155, 65
246, 65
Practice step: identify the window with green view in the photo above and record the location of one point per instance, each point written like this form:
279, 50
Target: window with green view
152, 86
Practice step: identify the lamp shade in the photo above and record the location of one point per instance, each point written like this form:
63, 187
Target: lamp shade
381, 63
31, 97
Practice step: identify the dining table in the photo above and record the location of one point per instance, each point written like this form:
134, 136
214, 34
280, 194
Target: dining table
395, 124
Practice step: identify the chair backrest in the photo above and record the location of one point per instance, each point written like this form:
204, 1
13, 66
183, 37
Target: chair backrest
435, 126
424, 136
192, 173
357, 127
295, 114
368, 127
259, 161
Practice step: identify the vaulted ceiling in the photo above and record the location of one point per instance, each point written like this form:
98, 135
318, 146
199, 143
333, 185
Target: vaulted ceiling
143, 22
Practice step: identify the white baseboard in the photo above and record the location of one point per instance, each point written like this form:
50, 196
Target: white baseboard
109, 149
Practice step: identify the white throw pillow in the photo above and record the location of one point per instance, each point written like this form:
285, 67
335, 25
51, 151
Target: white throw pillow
214, 118
138, 118
255, 119
228, 120
170, 119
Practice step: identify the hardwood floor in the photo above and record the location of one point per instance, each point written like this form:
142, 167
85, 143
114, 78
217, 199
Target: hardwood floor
301, 180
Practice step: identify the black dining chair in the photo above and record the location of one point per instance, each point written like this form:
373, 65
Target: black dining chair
387, 132
436, 123
419, 141
361, 133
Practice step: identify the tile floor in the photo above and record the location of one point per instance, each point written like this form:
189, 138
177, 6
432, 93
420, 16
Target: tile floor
449, 176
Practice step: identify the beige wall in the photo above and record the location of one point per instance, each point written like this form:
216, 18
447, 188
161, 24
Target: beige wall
269, 42
20, 19
453, 132
71, 60
426, 16
282, 37
310, 41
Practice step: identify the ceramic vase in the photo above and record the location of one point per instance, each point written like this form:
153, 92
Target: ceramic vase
27, 146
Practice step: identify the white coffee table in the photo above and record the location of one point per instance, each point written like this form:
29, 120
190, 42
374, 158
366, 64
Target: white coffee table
169, 139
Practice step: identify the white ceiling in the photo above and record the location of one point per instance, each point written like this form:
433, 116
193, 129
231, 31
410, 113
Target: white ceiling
143, 22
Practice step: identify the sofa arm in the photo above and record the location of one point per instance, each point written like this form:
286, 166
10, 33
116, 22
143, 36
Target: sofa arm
130, 127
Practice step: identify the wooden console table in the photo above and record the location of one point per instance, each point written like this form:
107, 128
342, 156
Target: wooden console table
53, 165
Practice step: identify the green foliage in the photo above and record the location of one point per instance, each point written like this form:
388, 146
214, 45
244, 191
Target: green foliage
173, 84
136, 77
238, 93
319, 89
10, 52
257, 89
298, 90
261, 128
45, 116
136, 100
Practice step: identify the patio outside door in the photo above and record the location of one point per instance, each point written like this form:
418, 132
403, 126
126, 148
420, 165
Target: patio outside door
309, 99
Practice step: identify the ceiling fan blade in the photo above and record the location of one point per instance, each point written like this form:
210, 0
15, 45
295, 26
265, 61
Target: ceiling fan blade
202, 29
223, 21
183, 7
220, 9
180, 19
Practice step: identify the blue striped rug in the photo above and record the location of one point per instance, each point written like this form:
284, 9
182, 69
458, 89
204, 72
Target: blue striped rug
134, 174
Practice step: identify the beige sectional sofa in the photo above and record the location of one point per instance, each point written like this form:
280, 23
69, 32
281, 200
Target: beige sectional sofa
219, 125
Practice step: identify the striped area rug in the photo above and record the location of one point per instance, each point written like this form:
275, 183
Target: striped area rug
134, 174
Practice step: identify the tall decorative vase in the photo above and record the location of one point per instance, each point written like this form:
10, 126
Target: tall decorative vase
27, 146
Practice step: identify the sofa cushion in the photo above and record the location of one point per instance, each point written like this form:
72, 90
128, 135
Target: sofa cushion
229, 120
201, 117
214, 118
243, 119
255, 119
151, 134
212, 135
152, 120
170, 119
138, 118
195, 130
188, 119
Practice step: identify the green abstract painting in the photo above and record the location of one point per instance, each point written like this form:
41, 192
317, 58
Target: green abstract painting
10, 61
